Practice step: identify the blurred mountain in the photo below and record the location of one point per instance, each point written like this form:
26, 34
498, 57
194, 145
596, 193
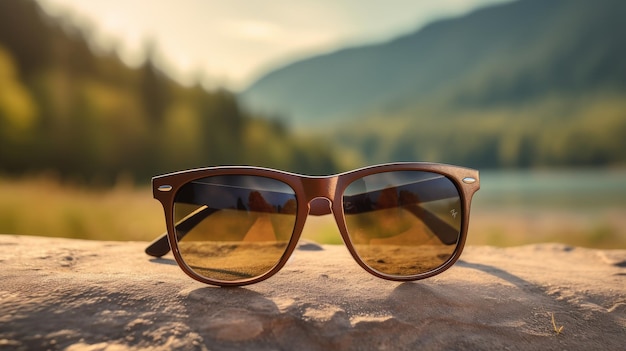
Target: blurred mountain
517, 84
80, 112
505, 53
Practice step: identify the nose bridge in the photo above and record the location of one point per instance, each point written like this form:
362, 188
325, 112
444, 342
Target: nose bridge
320, 192
316, 187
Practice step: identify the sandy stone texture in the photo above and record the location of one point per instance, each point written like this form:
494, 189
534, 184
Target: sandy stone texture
64, 294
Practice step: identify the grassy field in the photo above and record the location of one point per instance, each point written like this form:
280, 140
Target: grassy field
44, 206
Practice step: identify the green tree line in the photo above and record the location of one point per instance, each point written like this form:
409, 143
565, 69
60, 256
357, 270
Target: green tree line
562, 131
85, 115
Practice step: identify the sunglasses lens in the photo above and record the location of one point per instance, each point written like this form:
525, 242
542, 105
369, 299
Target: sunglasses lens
403, 223
234, 227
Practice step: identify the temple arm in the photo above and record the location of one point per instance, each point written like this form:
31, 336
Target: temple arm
444, 231
160, 246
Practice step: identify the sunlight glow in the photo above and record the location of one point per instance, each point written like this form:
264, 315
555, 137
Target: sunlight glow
256, 30
232, 43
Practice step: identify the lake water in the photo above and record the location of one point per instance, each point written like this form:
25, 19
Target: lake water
584, 190
579, 208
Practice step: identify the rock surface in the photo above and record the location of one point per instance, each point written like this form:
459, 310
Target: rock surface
88, 295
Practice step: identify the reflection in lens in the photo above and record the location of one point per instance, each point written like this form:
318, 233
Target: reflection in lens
403, 223
234, 227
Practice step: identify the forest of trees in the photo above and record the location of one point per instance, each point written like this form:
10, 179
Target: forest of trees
84, 115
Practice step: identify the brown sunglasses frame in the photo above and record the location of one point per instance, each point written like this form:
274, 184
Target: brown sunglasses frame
308, 189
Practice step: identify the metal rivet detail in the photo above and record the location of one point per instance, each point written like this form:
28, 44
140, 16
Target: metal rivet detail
169, 187
469, 180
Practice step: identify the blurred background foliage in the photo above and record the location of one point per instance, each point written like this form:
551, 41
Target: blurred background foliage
531, 92
82, 114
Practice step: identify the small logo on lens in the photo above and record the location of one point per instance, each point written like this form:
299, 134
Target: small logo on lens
453, 212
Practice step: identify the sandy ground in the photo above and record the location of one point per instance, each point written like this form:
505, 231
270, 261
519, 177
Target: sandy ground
92, 295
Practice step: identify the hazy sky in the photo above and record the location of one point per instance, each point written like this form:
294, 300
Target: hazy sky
232, 42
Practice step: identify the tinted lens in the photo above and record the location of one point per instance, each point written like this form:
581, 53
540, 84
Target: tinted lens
403, 223
234, 227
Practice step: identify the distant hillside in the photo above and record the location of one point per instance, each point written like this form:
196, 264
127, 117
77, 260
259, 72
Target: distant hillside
86, 116
504, 53
507, 67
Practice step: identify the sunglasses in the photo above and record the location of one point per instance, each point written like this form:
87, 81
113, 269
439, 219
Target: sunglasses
233, 226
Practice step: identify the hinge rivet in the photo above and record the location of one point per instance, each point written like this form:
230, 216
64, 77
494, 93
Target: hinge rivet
469, 180
165, 188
